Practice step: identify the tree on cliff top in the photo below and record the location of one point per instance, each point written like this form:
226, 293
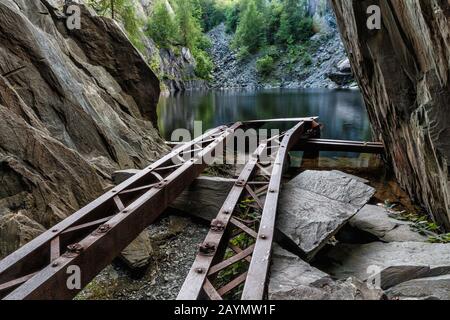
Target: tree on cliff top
123, 11
161, 26
249, 35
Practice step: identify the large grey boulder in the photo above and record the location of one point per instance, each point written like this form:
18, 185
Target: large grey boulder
376, 221
294, 279
433, 288
395, 262
204, 197
316, 204
138, 253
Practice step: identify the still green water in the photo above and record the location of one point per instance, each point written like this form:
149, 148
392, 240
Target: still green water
341, 111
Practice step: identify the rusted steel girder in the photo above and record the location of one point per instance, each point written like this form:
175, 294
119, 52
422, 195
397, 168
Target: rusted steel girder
255, 285
218, 254
340, 146
92, 237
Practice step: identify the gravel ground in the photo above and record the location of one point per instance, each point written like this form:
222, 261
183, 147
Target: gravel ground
176, 240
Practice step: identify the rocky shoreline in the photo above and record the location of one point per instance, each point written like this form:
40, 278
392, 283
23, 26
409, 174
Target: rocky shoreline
329, 67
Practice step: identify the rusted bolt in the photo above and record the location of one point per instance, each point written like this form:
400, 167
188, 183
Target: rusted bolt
240, 183
160, 185
103, 228
207, 249
199, 270
75, 248
217, 225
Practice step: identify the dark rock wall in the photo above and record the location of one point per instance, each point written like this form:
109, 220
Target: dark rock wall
74, 106
403, 71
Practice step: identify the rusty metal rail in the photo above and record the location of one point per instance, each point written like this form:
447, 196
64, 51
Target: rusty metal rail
92, 237
340, 145
235, 254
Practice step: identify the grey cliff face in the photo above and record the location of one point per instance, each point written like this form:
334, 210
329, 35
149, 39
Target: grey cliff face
75, 105
403, 70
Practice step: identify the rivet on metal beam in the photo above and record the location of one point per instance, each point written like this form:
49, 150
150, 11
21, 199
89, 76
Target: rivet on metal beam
103, 228
55, 264
75, 248
217, 225
263, 236
199, 270
207, 249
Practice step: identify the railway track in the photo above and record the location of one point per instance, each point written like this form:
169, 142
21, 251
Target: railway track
240, 238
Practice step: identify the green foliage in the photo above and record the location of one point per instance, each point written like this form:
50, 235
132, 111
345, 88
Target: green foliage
125, 12
295, 25
250, 31
421, 224
161, 26
299, 52
265, 65
187, 16
204, 65
232, 18
215, 12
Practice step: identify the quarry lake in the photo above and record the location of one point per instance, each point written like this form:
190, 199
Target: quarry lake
342, 112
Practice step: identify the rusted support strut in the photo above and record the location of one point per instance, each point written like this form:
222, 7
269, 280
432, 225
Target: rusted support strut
340, 146
219, 252
87, 241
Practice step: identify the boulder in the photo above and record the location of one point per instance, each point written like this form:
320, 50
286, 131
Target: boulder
376, 221
315, 205
138, 253
16, 229
433, 288
293, 279
344, 66
389, 263
204, 197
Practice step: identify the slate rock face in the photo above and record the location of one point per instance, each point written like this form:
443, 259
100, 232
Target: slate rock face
75, 105
397, 262
293, 279
316, 204
404, 74
376, 221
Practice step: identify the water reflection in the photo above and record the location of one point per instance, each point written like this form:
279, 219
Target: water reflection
341, 111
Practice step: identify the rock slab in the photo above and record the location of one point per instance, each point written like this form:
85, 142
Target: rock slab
433, 288
293, 279
395, 262
316, 204
376, 221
